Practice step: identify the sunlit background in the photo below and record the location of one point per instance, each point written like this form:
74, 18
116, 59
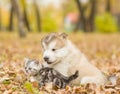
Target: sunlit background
92, 25
60, 15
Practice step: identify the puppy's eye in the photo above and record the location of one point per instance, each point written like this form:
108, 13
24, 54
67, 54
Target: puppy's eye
53, 49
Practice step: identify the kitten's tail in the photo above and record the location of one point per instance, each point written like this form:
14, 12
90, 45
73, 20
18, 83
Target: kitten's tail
74, 76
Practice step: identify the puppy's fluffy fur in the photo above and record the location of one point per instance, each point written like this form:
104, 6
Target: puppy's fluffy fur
63, 56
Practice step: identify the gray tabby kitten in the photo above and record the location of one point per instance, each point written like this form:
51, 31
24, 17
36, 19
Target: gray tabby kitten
45, 75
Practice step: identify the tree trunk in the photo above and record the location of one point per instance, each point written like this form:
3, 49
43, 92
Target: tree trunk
81, 11
37, 16
88, 23
11, 18
26, 20
19, 18
108, 6
92, 14
0, 18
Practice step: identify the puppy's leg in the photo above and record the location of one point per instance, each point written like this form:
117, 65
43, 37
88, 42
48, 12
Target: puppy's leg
86, 80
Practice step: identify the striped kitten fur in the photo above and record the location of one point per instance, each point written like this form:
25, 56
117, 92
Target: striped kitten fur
45, 75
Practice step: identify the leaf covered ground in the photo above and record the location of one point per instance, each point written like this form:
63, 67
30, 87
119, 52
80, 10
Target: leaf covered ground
103, 50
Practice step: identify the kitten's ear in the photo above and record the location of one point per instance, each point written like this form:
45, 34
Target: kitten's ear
63, 35
26, 60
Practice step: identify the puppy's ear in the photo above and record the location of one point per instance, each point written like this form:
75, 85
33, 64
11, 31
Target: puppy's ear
48, 38
41, 41
63, 35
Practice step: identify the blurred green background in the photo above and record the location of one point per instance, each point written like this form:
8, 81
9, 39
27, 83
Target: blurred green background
59, 15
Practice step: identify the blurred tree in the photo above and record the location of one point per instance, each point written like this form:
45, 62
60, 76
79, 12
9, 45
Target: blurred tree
15, 4
26, 22
37, 16
88, 22
25, 17
108, 5
11, 18
0, 19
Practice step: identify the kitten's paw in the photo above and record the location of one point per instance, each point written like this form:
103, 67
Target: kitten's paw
77, 73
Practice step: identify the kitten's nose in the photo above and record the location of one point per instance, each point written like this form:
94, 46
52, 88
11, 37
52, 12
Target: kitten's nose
46, 59
26, 71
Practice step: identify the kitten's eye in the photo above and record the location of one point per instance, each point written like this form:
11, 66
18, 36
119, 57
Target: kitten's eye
34, 69
53, 49
29, 68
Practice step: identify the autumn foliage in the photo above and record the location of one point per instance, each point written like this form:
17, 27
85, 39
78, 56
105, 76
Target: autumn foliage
103, 50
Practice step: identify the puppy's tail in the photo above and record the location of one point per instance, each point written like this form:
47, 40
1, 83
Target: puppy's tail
112, 79
74, 76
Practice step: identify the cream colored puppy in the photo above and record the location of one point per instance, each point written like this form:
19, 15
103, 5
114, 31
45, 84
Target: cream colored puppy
61, 54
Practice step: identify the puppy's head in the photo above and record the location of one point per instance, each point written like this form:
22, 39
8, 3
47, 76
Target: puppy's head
54, 46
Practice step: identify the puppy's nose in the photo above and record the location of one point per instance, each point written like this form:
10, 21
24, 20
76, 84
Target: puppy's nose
46, 58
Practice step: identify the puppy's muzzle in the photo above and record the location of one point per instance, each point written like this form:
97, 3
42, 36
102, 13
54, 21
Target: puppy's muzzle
46, 59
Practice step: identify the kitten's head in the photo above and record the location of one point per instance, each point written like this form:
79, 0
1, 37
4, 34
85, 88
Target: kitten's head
32, 66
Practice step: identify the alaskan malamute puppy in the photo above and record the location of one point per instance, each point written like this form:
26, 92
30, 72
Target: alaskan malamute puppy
61, 54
